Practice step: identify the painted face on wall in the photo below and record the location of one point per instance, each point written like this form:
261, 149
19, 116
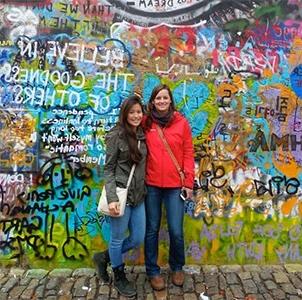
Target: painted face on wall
61, 175
162, 101
135, 115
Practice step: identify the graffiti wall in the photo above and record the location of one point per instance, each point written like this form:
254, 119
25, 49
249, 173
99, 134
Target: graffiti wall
235, 69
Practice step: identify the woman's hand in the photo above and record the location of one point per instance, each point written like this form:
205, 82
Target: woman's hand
114, 209
188, 193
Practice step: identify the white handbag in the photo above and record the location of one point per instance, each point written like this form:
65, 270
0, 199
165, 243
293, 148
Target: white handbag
121, 193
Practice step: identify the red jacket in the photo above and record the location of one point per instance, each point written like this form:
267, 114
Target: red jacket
160, 169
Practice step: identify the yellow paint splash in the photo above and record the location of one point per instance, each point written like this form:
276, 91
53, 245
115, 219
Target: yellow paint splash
287, 206
224, 88
300, 208
295, 57
267, 73
215, 245
290, 168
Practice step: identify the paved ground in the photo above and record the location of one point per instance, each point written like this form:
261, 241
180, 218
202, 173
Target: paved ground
248, 282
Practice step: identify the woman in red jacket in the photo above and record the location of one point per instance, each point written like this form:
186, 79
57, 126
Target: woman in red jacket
166, 178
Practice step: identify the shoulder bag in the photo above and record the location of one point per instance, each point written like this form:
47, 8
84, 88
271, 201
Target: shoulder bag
168, 148
121, 193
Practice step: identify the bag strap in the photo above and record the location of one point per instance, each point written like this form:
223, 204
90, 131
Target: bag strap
132, 169
168, 148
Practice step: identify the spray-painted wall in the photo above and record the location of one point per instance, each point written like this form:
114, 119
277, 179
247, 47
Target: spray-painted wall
235, 68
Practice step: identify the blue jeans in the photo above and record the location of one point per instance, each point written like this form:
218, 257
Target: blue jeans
175, 214
134, 222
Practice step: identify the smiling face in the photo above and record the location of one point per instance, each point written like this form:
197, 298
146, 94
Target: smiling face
162, 101
135, 116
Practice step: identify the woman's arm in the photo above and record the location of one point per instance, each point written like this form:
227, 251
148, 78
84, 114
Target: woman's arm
110, 165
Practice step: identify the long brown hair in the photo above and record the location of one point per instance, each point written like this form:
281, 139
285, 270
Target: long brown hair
150, 104
135, 154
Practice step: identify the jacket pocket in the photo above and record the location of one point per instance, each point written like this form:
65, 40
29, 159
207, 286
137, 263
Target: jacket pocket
120, 180
123, 152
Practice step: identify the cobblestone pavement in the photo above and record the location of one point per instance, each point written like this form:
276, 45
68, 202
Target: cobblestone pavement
248, 282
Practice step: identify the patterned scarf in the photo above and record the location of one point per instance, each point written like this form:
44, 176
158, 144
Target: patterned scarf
162, 120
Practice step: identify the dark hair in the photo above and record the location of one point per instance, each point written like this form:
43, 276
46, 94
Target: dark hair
135, 154
154, 93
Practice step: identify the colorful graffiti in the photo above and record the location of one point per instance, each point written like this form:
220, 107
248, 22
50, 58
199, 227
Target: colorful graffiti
235, 69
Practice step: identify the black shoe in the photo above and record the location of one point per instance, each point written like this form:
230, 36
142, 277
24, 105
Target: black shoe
101, 260
121, 283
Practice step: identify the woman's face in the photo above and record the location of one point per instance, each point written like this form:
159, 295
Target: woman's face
162, 101
135, 115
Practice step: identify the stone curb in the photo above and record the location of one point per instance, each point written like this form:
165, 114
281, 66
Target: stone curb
252, 282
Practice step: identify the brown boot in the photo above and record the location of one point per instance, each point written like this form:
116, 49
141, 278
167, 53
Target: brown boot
178, 278
157, 282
